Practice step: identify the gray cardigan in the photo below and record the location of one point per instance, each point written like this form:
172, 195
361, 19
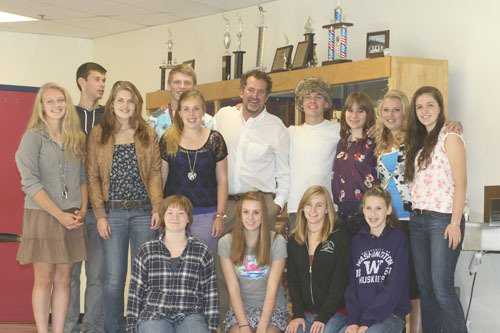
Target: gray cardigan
38, 160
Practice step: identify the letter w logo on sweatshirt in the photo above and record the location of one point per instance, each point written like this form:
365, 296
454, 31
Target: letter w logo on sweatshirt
373, 266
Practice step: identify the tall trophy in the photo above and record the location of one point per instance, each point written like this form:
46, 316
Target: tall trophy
260, 41
226, 58
166, 64
309, 37
337, 38
238, 54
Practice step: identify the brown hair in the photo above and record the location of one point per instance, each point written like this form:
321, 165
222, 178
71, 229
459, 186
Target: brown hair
110, 125
259, 75
178, 201
416, 133
183, 69
84, 70
174, 133
379, 192
300, 231
385, 139
365, 103
263, 245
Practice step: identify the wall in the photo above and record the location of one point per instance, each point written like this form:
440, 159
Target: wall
461, 31
32, 60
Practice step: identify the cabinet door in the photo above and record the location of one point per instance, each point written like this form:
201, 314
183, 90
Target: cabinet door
16, 281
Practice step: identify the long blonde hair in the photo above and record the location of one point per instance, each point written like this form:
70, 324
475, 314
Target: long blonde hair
385, 139
300, 231
73, 136
263, 245
173, 134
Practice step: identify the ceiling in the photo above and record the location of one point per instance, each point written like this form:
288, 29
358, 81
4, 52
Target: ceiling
98, 18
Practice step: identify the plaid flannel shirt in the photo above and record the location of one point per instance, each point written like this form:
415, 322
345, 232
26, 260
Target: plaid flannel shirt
157, 291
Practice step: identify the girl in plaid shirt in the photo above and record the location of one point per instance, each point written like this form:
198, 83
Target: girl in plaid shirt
173, 286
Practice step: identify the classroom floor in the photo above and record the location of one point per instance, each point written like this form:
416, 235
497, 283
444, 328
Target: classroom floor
17, 328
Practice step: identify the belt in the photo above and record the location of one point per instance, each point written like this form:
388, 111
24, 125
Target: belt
350, 216
127, 204
422, 212
237, 197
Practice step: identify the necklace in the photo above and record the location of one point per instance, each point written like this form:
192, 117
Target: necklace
191, 174
63, 168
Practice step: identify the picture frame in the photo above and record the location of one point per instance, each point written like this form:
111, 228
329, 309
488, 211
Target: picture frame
376, 43
190, 62
279, 58
302, 54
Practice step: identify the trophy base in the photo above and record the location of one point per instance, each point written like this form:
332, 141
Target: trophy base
336, 61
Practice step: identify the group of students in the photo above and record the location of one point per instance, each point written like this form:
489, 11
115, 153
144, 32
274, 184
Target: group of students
163, 189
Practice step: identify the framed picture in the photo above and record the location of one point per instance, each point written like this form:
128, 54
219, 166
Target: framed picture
301, 55
376, 42
282, 55
189, 62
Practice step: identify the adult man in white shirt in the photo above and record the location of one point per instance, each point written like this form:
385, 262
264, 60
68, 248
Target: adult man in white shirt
312, 144
258, 144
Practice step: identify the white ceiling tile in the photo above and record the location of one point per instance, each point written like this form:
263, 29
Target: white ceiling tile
149, 19
97, 18
100, 7
105, 24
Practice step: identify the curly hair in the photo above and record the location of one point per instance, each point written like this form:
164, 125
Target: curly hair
385, 139
259, 75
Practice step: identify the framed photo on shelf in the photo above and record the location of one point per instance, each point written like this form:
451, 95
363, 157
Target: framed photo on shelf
376, 43
189, 62
282, 58
301, 55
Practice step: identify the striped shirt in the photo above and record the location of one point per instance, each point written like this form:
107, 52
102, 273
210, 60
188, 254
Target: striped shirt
157, 291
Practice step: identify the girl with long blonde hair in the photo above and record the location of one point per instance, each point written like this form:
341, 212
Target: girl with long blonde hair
50, 161
318, 264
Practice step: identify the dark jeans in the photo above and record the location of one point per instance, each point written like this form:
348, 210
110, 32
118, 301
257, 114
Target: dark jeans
435, 265
350, 217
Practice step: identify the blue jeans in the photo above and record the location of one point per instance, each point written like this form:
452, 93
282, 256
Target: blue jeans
332, 326
392, 324
93, 317
435, 265
127, 226
191, 323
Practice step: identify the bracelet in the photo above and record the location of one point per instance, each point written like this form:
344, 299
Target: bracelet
455, 224
246, 325
220, 215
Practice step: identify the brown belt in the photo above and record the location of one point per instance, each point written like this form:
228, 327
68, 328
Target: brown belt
236, 197
127, 204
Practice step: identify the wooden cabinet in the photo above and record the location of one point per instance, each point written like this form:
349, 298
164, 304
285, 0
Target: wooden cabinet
405, 74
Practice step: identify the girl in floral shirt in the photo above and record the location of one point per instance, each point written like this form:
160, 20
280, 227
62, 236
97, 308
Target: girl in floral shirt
354, 163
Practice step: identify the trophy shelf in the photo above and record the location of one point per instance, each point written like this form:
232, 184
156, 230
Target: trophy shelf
403, 73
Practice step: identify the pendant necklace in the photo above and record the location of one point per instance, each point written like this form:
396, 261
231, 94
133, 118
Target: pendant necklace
63, 168
191, 174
